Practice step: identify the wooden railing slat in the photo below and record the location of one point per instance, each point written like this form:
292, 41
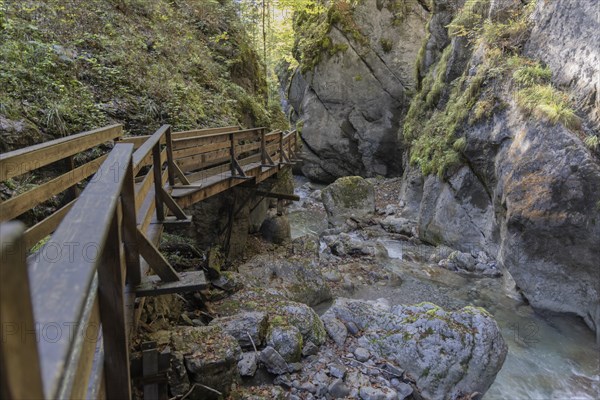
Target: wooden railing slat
17, 205
21, 161
45, 227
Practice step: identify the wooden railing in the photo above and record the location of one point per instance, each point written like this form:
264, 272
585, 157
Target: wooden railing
66, 308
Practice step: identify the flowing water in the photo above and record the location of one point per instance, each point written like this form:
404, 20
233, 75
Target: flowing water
549, 356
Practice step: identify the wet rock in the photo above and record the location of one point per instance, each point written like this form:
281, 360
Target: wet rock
309, 349
300, 278
273, 361
248, 364
335, 329
349, 197
415, 336
245, 327
276, 228
338, 389
287, 340
399, 225
362, 354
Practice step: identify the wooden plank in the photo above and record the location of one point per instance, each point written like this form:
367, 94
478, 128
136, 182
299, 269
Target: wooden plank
96, 381
189, 282
196, 177
205, 131
45, 227
141, 154
112, 314
16, 206
18, 162
62, 272
204, 160
143, 188
199, 141
20, 376
245, 148
157, 261
283, 196
200, 149
150, 368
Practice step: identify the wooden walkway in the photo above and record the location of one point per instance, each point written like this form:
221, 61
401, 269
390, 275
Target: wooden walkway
68, 284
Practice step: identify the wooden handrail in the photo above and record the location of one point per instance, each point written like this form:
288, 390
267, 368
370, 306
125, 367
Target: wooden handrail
19, 162
61, 282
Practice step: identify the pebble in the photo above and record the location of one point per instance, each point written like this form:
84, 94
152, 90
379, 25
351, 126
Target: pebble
337, 371
361, 354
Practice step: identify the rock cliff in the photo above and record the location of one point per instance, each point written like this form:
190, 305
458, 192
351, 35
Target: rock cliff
499, 148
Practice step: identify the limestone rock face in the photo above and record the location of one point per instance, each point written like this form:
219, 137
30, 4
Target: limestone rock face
348, 197
527, 192
352, 103
448, 353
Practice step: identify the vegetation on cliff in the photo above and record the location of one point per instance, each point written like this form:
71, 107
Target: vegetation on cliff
71, 67
448, 102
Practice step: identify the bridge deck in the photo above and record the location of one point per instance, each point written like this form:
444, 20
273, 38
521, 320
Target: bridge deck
130, 194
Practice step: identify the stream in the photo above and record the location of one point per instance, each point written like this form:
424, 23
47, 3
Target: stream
549, 356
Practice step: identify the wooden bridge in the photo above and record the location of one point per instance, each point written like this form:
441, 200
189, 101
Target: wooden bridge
67, 307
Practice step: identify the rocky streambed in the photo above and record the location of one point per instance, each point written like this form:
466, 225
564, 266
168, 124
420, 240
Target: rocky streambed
355, 306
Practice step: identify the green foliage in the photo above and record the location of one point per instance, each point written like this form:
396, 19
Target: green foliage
386, 45
312, 31
592, 142
141, 63
399, 10
545, 102
532, 74
469, 20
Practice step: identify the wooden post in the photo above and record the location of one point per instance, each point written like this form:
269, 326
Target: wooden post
132, 254
281, 158
232, 153
150, 369
73, 191
20, 375
112, 315
171, 161
160, 211
263, 147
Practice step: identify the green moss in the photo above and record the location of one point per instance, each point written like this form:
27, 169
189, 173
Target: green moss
399, 10
386, 45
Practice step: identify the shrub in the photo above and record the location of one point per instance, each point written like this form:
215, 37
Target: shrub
532, 74
592, 143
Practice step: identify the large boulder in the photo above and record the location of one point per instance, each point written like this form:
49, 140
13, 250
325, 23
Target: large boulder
298, 277
248, 328
210, 357
350, 197
448, 353
351, 103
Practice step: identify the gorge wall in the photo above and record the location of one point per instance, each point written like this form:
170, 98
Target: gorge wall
499, 147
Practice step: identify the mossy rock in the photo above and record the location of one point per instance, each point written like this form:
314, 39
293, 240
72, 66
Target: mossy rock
348, 197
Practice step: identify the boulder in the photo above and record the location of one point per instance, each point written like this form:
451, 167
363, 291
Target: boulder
276, 228
335, 329
210, 356
273, 361
350, 197
248, 364
286, 339
246, 327
299, 277
448, 353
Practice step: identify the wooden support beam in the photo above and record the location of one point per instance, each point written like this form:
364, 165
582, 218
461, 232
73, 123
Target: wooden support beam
180, 174
172, 205
155, 259
282, 196
189, 282
150, 368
